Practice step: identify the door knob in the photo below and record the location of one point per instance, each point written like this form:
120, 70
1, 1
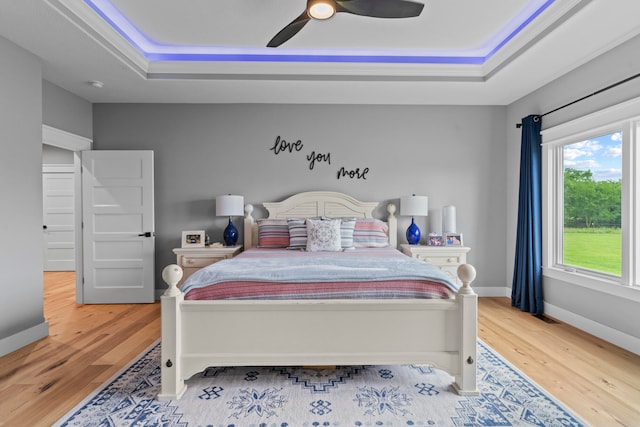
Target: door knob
146, 234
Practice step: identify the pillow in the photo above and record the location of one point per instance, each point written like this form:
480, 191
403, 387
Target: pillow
370, 233
297, 233
273, 233
347, 226
323, 235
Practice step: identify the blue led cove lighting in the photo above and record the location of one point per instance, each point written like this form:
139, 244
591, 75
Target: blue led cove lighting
158, 52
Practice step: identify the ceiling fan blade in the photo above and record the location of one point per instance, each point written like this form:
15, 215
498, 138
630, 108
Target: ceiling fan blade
290, 30
381, 8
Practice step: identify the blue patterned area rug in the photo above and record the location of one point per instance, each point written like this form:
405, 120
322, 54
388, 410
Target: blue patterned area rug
349, 396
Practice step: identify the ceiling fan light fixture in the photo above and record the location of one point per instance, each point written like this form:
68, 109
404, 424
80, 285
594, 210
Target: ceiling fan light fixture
321, 9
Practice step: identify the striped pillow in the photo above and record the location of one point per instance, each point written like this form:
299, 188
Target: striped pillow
347, 228
297, 233
370, 233
273, 233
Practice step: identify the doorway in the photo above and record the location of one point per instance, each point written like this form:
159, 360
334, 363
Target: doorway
58, 211
64, 148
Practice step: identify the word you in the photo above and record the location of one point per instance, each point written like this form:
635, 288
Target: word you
313, 158
281, 145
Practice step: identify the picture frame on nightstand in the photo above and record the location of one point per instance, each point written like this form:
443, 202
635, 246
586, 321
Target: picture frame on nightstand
436, 240
453, 239
193, 239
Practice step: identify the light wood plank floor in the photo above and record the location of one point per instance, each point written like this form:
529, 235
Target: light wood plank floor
596, 379
90, 343
87, 344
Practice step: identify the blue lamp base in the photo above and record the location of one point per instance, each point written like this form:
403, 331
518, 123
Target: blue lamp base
413, 233
230, 234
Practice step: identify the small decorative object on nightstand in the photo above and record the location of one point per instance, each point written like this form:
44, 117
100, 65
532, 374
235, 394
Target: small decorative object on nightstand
447, 258
193, 259
230, 205
414, 206
449, 219
435, 240
193, 239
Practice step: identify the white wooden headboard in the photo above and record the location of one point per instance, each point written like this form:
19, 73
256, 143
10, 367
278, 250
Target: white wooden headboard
317, 203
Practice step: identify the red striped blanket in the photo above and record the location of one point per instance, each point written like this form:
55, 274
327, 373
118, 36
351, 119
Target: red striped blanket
281, 274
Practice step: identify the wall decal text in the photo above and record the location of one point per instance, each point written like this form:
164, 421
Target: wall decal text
313, 158
281, 145
354, 173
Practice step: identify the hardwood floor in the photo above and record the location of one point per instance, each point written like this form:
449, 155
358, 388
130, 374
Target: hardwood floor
89, 343
596, 379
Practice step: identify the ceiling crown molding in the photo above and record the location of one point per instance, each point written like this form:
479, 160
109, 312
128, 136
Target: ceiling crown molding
98, 25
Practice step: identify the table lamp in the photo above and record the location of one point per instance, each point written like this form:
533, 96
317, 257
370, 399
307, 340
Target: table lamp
230, 205
414, 206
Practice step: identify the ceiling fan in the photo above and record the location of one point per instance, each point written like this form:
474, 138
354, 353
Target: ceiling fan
325, 9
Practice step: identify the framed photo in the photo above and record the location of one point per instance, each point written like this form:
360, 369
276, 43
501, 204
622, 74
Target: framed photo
436, 240
193, 239
453, 239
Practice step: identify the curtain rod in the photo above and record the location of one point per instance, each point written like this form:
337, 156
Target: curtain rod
518, 125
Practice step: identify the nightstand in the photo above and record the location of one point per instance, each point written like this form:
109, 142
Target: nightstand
447, 258
193, 259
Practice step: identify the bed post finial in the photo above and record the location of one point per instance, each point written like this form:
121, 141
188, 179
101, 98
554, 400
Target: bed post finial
172, 274
467, 274
392, 222
391, 208
248, 210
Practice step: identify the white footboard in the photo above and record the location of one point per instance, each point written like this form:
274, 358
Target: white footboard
198, 334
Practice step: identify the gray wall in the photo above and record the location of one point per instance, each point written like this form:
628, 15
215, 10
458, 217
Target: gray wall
21, 309
63, 110
56, 156
454, 155
26, 103
617, 313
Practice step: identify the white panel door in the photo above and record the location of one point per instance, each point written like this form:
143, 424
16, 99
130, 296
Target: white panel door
58, 220
118, 226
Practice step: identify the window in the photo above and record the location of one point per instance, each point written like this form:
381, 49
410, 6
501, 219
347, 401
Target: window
591, 220
591, 197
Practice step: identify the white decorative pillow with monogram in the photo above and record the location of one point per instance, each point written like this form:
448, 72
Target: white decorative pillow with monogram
323, 235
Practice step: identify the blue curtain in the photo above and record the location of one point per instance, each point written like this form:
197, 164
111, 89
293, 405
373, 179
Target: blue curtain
526, 290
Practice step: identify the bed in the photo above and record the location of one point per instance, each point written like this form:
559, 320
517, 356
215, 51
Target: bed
317, 331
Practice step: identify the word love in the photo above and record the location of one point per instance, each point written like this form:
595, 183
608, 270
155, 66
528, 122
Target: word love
281, 145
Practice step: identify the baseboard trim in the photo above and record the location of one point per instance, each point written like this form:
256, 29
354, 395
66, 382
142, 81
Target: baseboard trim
492, 291
614, 336
16, 341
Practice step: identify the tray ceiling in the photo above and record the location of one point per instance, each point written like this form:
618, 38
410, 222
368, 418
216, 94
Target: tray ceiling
454, 52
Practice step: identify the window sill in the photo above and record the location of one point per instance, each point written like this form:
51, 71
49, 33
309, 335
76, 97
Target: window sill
594, 283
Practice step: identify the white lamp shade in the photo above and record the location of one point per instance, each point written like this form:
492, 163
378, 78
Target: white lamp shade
229, 205
414, 205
